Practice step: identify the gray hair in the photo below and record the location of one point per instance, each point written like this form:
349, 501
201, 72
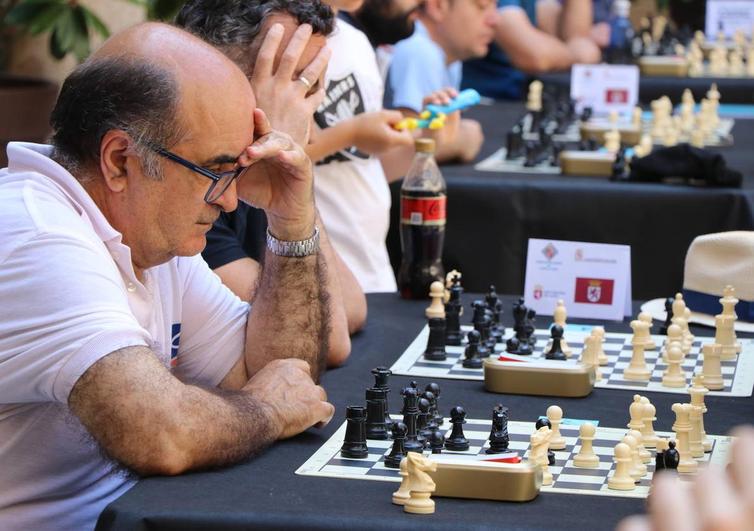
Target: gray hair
234, 25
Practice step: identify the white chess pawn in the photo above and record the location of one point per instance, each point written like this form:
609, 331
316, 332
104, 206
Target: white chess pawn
589, 356
670, 137
735, 63
648, 431
697, 137
436, 310
636, 115
534, 97
555, 416
599, 332
637, 369
674, 376
636, 412
682, 427
612, 140
675, 335
621, 478
711, 368
644, 454
586, 458
638, 470
649, 340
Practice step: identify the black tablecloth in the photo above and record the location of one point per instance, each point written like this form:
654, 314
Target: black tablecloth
732, 90
266, 494
491, 216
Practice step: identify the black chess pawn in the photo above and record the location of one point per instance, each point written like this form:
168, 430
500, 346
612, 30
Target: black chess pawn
544, 421
436, 441
499, 438
375, 422
672, 457
659, 461
514, 143
434, 388
423, 422
471, 358
532, 153
618, 170
556, 350
381, 375
435, 350
496, 307
668, 316
410, 419
355, 442
529, 328
557, 148
586, 114
397, 452
457, 441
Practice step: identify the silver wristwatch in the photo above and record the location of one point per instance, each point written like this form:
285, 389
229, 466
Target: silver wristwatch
297, 249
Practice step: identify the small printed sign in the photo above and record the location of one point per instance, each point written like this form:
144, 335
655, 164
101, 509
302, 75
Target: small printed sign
605, 88
728, 16
593, 279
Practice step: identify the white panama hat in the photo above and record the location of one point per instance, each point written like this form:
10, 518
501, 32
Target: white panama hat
714, 261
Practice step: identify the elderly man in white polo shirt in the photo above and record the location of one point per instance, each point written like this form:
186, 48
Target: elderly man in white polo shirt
118, 346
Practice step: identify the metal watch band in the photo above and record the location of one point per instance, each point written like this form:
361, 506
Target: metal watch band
297, 249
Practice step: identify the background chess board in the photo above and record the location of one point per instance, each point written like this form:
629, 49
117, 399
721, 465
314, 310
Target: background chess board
738, 375
567, 478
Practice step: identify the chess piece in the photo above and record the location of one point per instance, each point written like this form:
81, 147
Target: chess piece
410, 419
674, 337
668, 316
355, 442
457, 441
637, 368
711, 368
644, 454
514, 142
376, 428
674, 376
696, 448
435, 350
453, 310
559, 318
671, 456
499, 438
437, 441
586, 458
649, 341
698, 137
397, 452
434, 388
682, 428
735, 63
662, 446
420, 485
556, 352
423, 423
496, 307
621, 478
636, 471
589, 356
636, 115
636, 412
401, 495
544, 421
482, 321
697, 392
381, 376
725, 332
555, 416
612, 140
472, 358
648, 416
599, 332
539, 442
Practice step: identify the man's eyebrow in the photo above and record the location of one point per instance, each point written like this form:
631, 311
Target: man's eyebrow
221, 159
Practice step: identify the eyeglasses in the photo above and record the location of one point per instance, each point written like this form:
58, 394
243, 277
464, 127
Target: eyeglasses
220, 181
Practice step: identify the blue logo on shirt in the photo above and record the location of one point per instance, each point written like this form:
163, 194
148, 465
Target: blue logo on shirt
175, 342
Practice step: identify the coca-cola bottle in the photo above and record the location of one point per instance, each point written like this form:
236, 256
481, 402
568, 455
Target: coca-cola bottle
423, 207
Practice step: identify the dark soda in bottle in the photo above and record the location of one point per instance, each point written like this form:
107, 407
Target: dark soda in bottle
423, 214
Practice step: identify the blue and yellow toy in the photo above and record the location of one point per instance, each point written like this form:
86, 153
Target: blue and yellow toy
433, 117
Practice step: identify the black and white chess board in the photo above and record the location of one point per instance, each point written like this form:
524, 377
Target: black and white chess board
738, 374
567, 478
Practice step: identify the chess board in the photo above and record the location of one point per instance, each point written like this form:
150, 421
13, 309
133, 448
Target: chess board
567, 478
738, 374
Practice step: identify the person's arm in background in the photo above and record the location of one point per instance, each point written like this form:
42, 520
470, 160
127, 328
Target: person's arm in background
535, 51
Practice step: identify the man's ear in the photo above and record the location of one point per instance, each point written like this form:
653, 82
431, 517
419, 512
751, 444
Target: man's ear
115, 150
436, 9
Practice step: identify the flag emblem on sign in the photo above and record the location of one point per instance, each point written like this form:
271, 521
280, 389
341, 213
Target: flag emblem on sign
594, 290
549, 251
538, 291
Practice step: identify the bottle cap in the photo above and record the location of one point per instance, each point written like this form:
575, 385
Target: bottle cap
424, 145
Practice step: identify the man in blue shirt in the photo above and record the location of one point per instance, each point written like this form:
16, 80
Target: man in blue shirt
521, 48
447, 32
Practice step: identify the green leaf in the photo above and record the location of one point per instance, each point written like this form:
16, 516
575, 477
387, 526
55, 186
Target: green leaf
94, 22
80, 45
23, 13
164, 9
45, 19
63, 34
55, 50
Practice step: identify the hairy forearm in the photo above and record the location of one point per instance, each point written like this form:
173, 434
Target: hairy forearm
290, 314
576, 19
330, 140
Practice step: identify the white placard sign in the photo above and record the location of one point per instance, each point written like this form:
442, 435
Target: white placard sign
605, 88
594, 279
728, 16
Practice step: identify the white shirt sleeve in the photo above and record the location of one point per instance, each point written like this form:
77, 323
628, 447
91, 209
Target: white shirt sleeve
213, 329
63, 308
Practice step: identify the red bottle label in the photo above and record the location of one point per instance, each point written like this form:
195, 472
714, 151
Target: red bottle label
423, 210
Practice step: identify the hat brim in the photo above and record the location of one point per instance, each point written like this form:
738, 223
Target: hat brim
656, 308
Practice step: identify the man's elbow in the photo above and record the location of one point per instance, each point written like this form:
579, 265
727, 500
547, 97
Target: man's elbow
340, 349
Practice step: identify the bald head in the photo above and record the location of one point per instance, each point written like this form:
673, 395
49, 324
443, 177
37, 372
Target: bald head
156, 82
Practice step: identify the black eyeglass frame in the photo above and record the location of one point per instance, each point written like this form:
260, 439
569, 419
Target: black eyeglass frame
216, 178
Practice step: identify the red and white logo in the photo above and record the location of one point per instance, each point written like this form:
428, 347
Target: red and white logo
615, 95
538, 291
594, 290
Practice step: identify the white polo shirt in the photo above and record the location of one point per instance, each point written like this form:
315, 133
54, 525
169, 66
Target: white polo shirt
68, 297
